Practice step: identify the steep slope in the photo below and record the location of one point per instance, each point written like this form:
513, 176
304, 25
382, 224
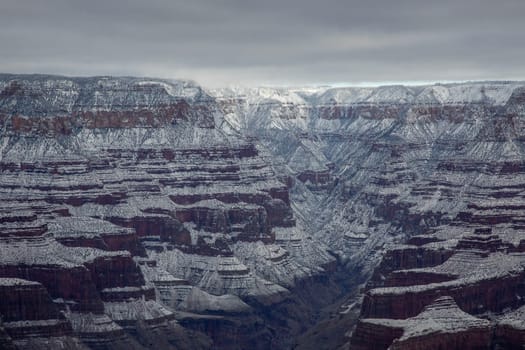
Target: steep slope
146, 213
374, 168
121, 198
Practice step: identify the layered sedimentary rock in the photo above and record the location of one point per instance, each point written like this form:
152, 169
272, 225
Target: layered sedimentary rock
31, 319
425, 194
114, 189
440, 325
236, 208
510, 329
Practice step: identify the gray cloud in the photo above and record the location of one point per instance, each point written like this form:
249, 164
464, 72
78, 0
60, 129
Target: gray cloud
218, 42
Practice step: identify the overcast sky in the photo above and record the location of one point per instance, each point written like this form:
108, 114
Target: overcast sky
267, 42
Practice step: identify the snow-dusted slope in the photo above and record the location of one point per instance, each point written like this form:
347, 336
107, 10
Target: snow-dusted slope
103, 175
378, 140
375, 167
237, 207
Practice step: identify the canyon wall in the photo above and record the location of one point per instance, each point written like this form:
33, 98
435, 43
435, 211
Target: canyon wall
417, 190
145, 213
128, 219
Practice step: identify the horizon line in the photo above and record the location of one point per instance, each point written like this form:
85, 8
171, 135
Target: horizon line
340, 84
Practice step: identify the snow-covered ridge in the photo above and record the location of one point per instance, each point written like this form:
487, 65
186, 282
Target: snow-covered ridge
495, 93
33, 95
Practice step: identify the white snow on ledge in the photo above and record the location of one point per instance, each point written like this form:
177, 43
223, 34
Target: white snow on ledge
45, 251
440, 317
6, 282
496, 92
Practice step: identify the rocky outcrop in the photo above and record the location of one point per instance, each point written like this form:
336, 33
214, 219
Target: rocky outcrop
27, 309
441, 325
478, 284
30, 318
510, 330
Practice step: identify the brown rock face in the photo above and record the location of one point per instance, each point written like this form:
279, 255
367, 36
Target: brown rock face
27, 310
479, 273
68, 283
374, 336
441, 325
493, 294
25, 300
509, 337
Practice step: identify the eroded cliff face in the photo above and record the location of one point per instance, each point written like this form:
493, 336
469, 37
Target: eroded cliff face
418, 190
150, 213
122, 204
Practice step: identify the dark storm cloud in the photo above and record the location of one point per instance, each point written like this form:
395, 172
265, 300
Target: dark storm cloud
219, 42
